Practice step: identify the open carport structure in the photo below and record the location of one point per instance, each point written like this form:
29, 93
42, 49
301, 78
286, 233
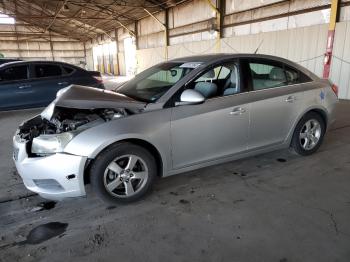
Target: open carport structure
277, 206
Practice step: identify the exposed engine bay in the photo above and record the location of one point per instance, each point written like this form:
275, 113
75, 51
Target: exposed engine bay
67, 119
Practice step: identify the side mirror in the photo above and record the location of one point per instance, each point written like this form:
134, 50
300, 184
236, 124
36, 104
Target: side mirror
190, 97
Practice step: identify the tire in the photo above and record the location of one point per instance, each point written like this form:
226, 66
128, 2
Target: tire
307, 141
123, 173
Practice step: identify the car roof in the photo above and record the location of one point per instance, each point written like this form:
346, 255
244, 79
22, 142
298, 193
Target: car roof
9, 59
39, 62
212, 58
219, 56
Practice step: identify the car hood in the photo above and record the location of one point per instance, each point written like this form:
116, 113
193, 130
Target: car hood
83, 97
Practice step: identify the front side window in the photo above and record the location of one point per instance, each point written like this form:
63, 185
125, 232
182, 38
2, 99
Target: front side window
151, 84
14, 73
47, 70
222, 80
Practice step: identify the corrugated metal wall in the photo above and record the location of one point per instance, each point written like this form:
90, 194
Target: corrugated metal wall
308, 45
340, 70
63, 49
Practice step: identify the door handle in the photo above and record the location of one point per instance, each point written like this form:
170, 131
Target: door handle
24, 86
290, 99
62, 83
237, 111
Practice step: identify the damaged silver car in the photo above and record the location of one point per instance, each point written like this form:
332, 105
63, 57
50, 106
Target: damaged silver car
174, 117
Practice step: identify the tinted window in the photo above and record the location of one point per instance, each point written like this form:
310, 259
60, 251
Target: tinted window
47, 70
67, 70
14, 73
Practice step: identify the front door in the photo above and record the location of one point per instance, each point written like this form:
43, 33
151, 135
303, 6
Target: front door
47, 79
212, 130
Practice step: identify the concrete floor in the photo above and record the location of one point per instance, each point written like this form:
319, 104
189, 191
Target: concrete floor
274, 207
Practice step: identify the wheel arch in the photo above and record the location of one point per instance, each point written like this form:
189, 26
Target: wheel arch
318, 110
136, 141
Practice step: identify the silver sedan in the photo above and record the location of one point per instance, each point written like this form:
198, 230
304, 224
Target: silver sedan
176, 116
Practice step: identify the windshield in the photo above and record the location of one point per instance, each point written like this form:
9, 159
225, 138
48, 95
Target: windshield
151, 84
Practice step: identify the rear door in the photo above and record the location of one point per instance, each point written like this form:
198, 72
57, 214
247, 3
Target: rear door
87, 78
47, 79
277, 99
15, 87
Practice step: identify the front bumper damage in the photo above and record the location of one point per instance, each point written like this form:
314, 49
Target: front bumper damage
39, 142
55, 176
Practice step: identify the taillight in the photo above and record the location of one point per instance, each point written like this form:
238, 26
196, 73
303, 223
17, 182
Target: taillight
98, 78
335, 89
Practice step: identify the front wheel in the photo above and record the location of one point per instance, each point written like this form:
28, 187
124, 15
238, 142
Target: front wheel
308, 134
123, 173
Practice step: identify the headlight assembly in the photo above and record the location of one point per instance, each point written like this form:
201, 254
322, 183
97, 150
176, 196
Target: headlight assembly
50, 144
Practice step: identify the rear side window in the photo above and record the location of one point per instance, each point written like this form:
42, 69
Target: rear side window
271, 74
295, 77
67, 70
47, 70
265, 75
14, 73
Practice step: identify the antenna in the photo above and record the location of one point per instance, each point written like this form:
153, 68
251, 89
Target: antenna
259, 46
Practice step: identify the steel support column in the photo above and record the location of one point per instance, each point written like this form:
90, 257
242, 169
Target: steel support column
118, 49
51, 47
330, 39
219, 20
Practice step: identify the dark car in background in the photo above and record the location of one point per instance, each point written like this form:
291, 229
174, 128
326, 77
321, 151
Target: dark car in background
28, 84
7, 60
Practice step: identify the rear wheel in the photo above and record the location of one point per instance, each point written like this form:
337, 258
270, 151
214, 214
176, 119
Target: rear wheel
123, 173
308, 134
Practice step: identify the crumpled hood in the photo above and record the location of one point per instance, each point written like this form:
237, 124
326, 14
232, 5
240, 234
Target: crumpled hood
83, 97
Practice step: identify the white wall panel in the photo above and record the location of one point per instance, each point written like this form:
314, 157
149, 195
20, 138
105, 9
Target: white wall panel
340, 70
233, 6
64, 49
191, 12
304, 45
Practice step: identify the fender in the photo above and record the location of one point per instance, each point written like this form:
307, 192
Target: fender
152, 128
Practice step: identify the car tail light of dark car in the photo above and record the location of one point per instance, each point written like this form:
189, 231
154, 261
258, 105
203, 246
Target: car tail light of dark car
98, 78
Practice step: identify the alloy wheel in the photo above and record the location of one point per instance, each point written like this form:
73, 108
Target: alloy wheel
125, 176
310, 134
